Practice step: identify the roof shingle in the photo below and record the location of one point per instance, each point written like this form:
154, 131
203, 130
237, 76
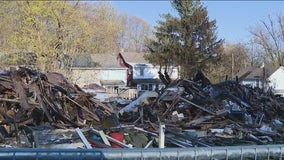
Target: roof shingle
254, 72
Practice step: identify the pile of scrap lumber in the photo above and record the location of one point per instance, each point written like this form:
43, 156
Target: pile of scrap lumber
203, 114
221, 114
43, 110
31, 98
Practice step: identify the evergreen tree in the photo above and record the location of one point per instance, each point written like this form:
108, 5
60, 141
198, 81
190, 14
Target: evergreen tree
188, 40
165, 47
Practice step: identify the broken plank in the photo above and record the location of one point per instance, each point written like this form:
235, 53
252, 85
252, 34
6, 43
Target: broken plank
103, 136
16, 101
142, 130
85, 109
202, 108
162, 136
83, 138
19, 89
112, 139
198, 121
109, 109
37, 89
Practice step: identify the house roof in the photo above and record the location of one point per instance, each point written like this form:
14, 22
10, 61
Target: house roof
134, 57
244, 73
112, 82
94, 86
106, 60
256, 73
154, 81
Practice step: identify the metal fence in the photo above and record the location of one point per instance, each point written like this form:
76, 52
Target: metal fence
265, 152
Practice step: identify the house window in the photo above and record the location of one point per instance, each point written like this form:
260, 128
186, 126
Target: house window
157, 88
150, 87
141, 71
257, 83
144, 87
147, 87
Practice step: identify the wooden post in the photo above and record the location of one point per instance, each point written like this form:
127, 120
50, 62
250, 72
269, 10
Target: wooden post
162, 136
142, 114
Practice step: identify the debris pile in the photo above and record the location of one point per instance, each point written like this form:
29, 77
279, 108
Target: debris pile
29, 98
221, 114
45, 111
198, 113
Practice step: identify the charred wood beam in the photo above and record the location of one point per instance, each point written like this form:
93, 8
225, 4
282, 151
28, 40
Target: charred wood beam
163, 79
197, 106
17, 82
170, 108
192, 139
5, 79
198, 121
94, 116
39, 90
105, 107
61, 116
168, 78
17, 101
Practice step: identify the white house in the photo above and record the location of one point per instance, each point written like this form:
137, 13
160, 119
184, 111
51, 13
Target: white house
147, 78
128, 74
103, 70
143, 75
276, 81
265, 77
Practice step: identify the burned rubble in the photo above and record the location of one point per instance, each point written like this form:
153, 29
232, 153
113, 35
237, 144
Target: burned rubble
46, 111
198, 113
30, 100
221, 114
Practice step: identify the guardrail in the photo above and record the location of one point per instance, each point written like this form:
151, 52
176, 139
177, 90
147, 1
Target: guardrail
267, 152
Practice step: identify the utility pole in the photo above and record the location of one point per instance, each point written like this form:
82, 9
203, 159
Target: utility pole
263, 77
233, 64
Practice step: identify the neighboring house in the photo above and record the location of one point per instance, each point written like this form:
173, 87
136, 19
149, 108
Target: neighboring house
127, 75
276, 81
141, 74
264, 77
102, 69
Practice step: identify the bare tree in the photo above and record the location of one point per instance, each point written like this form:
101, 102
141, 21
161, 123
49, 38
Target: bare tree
270, 37
256, 53
138, 31
234, 58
